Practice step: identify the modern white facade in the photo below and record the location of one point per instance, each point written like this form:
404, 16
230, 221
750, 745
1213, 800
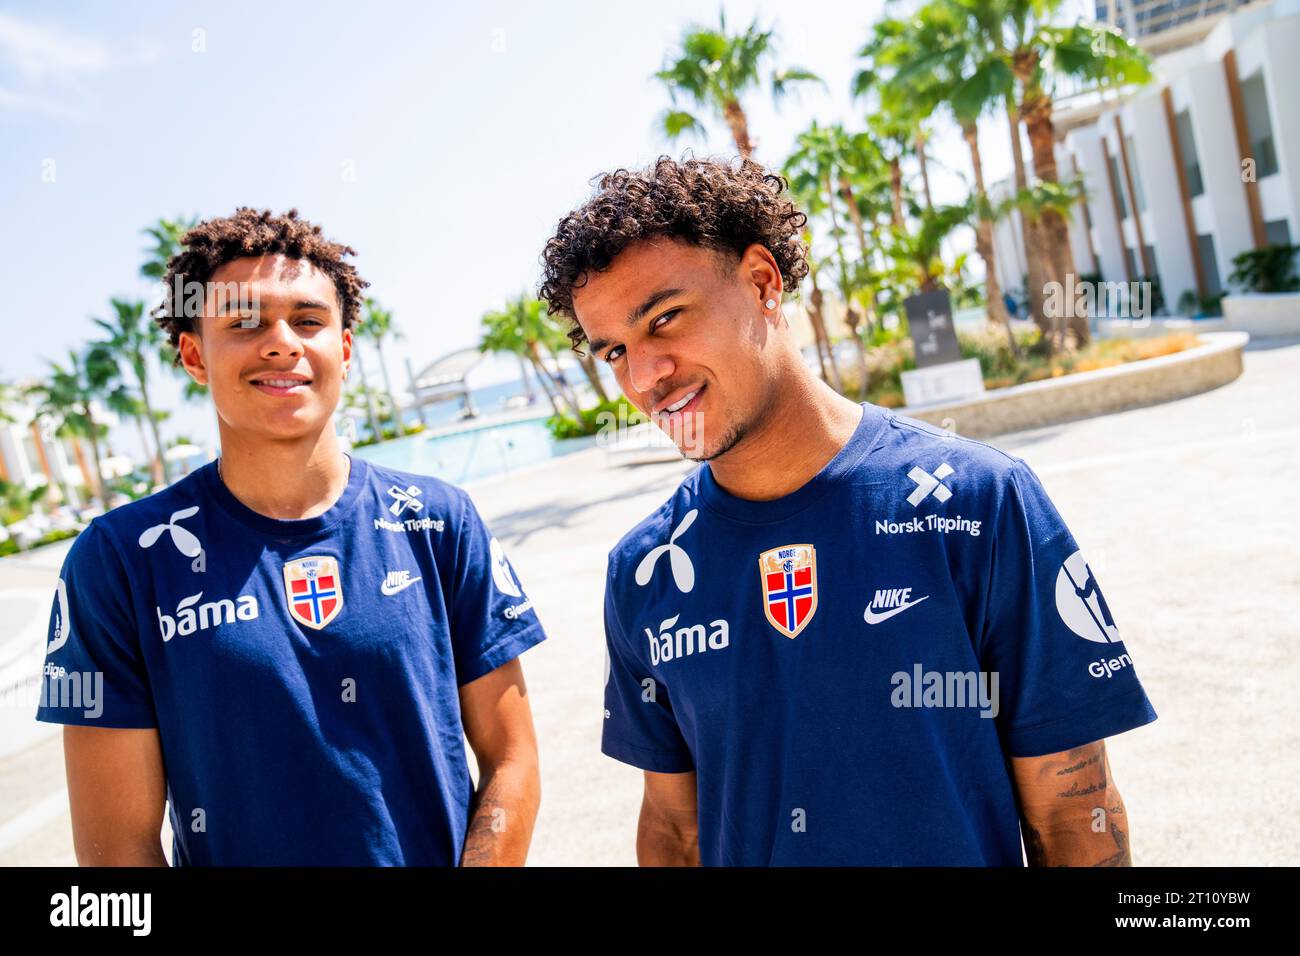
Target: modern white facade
1191, 170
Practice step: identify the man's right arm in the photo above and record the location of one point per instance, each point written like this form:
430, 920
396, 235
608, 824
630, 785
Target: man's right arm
117, 792
668, 831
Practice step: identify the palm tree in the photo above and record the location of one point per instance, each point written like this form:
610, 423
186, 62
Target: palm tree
1031, 55
523, 328
166, 235
69, 396
935, 61
372, 414
813, 170
1089, 54
377, 325
713, 70
132, 340
825, 352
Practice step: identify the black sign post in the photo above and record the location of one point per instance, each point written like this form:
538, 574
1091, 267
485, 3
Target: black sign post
929, 318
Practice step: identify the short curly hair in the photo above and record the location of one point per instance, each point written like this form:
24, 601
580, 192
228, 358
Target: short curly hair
718, 204
249, 234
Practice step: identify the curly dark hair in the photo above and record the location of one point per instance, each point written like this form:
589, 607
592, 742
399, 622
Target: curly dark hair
722, 205
249, 233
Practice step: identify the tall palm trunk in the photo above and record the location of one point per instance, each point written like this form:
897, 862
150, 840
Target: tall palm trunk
144, 444
739, 126
562, 381
896, 193
855, 214
823, 338
544, 380
1035, 262
100, 490
555, 389
160, 462
997, 309
925, 168
592, 372
1042, 141
371, 412
388, 389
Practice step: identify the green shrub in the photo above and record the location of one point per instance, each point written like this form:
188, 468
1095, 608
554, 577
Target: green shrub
593, 419
1271, 269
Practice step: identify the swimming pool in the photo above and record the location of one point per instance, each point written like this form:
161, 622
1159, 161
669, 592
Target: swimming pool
474, 452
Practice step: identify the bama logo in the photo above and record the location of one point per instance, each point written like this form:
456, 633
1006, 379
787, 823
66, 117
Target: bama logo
190, 616
669, 644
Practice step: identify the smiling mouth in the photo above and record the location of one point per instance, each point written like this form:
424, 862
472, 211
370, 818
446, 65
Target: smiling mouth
276, 385
677, 411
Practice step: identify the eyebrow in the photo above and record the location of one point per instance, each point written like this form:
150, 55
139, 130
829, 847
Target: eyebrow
637, 314
302, 305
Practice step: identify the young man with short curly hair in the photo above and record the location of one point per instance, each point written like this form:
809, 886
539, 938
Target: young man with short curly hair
287, 645
847, 637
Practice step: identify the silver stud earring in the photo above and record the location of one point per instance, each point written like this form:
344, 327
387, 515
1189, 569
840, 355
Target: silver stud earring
771, 303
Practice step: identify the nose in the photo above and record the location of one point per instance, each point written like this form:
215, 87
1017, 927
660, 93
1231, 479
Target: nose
280, 340
647, 366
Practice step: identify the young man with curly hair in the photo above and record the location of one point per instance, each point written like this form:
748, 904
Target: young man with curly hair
847, 637
291, 641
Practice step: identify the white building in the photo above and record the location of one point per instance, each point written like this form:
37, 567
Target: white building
1193, 169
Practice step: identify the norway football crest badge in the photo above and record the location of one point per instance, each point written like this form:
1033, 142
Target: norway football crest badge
314, 590
789, 576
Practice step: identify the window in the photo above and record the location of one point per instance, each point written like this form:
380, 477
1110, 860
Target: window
1213, 286
1118, 183
1187, 146
1260, 128
1140, 196
1278, 232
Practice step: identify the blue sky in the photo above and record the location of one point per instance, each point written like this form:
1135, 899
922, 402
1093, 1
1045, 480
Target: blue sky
442, 142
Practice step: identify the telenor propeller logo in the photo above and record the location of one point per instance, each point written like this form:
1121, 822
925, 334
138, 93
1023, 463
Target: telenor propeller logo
678, 560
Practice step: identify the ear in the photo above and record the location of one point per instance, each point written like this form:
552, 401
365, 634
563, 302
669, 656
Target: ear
190, 345
759, 269
347, 352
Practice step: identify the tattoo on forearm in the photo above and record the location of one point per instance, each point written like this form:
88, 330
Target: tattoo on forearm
1123, 857
482, 837
1077, 791
1075, 768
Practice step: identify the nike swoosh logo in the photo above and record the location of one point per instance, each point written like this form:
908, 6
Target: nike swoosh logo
872, 617
390, 590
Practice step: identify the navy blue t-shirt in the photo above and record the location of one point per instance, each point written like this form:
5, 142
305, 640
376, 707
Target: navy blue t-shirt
849, 668
303, 675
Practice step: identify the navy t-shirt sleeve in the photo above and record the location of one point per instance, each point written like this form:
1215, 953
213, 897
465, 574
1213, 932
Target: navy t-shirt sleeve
1065, 677
492, 620
639, 728
94, 673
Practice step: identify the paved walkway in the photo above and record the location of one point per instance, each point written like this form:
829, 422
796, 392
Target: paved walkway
1187, 511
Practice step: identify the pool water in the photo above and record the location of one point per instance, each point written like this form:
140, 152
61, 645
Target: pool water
478, 451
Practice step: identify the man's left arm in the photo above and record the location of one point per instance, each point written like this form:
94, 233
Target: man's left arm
1070, 808
499, 726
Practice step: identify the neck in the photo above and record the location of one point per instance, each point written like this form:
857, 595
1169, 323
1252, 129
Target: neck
801, 431
284, 479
